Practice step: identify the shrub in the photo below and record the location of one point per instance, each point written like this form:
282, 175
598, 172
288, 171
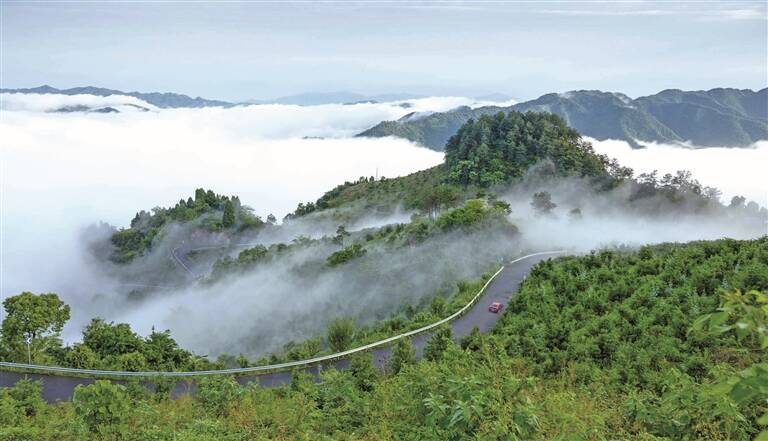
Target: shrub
217, 393
102, 405
340, 334
346, 254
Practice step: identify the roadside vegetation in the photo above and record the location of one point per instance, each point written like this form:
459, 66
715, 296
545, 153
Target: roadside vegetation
667, 342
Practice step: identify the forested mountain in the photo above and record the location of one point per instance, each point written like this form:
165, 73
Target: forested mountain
164, 100
718, 117
498, 152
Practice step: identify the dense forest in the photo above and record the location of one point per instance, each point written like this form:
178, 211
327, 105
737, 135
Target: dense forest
664, 342
495, 149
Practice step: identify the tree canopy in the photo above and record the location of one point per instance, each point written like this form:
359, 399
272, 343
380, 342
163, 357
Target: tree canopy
37, 317
492, 150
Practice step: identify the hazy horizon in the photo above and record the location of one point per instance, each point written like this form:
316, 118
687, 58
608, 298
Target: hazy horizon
266, 50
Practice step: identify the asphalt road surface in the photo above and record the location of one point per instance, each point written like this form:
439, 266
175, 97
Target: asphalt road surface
57, 388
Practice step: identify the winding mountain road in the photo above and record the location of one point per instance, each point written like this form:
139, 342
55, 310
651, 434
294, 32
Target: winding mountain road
503, 287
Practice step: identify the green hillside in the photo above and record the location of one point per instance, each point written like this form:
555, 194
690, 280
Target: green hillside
718, 117
612, 345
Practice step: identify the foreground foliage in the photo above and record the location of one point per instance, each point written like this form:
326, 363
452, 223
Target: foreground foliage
664, 343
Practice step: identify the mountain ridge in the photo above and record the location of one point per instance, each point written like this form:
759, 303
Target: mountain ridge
717, 117
164, 100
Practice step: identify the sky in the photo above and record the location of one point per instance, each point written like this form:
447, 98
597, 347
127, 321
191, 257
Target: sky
261, 50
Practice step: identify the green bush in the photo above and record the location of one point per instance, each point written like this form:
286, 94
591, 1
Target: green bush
346, 254
217, 393
341, 332
103, 406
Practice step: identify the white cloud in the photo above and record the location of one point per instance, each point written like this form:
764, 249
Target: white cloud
716, 13
64, 171
35, 102
735, 171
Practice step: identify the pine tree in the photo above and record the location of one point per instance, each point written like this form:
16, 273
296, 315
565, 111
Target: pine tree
402, 355
229, 215
438, 344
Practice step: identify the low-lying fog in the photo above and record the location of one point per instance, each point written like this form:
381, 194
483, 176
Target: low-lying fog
735, 171
62, 172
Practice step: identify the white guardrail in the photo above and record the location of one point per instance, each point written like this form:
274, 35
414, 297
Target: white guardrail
278, 366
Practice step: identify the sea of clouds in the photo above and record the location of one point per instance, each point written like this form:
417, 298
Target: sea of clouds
64, 171
735, 171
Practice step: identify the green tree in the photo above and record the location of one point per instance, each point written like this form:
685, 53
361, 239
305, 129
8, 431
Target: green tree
471, 213
438, 343
403, 354
542, 203
163, 353
37, 319
340, 334
228, 220
108, 339
472, 341
364, 372
81, 356
341, 232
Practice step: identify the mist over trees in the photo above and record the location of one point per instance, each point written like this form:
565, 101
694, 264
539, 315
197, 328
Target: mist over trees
503, 174
662, 342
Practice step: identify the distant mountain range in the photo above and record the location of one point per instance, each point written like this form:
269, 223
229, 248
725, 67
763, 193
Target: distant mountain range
175, 100
162, 100
340, 97
717, 117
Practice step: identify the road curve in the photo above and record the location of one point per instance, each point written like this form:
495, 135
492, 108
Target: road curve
501, 289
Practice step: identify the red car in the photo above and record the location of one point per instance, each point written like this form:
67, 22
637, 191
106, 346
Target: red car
495, 307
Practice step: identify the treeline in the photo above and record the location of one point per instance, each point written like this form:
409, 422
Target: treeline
325, 200
31, 333
667, 342
218, 212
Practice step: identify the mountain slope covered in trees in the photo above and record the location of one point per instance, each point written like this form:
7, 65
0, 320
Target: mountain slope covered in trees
718, 117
